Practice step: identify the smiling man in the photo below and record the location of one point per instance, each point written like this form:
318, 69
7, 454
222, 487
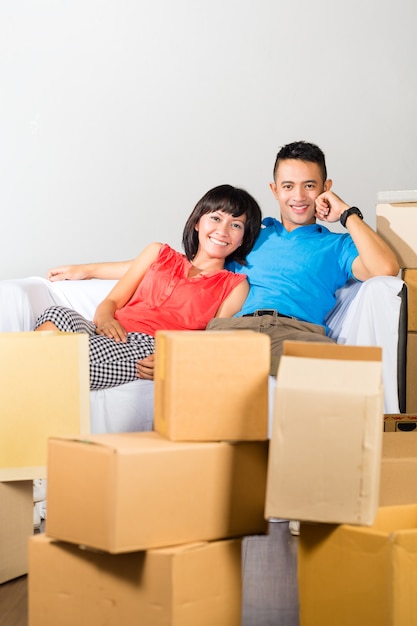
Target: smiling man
297, 265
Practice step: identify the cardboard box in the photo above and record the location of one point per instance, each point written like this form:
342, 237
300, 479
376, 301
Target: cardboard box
410, 278
398, 481
135, 491
212, 386
44, 390
16, 526
411, 384
405, 422
364, 576
325, 449
188, 585
396, 223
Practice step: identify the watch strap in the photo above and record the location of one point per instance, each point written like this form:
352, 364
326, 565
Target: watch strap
353, 210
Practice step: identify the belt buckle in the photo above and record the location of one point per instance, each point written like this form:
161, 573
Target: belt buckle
260, 312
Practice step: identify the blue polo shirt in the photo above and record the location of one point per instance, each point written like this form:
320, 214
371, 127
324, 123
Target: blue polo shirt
298, 272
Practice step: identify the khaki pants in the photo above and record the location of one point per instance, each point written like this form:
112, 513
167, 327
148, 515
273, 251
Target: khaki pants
277, 328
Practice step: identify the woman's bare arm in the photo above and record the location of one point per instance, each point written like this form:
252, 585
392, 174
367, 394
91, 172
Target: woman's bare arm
112, 270
234, 301
121, 293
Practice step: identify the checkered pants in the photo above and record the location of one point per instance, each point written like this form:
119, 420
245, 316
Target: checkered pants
112, 363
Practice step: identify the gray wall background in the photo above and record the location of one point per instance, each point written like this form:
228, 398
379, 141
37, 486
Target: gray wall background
116, 116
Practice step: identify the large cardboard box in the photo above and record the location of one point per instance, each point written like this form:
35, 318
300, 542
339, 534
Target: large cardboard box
44, 390
398, 482
411, 386
396, 223
211, 386
135, 491
362, 576
187, 585
325, 449
16, 526
410, 278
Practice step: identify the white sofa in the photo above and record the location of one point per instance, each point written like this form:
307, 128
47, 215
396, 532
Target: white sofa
365, 314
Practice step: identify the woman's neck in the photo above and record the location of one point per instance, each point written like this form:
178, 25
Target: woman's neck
204, 265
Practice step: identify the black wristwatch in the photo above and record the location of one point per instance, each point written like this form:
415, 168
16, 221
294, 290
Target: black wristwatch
352, 211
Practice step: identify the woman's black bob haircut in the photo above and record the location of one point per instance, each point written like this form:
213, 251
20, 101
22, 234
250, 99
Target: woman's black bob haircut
230, 200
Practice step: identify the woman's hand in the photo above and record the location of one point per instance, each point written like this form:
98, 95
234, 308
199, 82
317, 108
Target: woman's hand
68, 272
146, 367
111, 328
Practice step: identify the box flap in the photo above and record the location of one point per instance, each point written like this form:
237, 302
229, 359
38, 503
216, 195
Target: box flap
128, 442
318, 350
395, 197
395, 518
396, 225
338, 376
398, 445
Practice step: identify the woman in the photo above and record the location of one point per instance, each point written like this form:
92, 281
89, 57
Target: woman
166, 290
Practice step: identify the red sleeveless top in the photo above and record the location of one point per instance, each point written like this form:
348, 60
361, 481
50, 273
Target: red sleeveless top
166, 299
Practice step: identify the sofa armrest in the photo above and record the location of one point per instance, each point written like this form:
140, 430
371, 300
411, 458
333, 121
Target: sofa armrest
81, 295
372, 318
23, 300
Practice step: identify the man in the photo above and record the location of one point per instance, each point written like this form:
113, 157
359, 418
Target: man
297, 265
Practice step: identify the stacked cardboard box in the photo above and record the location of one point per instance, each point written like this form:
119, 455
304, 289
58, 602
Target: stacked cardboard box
351, 484
16, 526
325, 449
405, 422
360, 575
396, 222
324, 469
186, 585
43, 391
160, 514
398, 484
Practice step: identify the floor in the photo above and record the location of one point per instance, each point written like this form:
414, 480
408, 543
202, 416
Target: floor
270, 591
270, 595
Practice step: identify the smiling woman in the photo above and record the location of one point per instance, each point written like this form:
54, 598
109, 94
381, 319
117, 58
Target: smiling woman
166, 290
219, 235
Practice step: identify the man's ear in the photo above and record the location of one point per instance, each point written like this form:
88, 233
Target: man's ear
273, 188
327, 184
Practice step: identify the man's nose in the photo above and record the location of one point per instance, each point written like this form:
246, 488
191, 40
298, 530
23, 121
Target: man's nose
299, 191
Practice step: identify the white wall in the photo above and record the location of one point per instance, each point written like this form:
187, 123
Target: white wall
117, 115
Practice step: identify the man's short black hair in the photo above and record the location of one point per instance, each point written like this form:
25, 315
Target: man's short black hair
303, 151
